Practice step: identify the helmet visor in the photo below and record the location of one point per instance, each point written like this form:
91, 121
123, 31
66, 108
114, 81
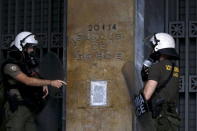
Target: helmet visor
28, 45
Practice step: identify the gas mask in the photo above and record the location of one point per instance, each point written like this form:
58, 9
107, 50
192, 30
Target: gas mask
153, 57
31, 59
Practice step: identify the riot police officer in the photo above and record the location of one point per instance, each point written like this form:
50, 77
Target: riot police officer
25, 90
161, 77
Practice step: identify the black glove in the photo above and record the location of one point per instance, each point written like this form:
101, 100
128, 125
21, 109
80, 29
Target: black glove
144, 73
145, 68
141, 105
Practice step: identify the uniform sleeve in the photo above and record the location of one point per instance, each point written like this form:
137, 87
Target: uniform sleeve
154, 73
12, 70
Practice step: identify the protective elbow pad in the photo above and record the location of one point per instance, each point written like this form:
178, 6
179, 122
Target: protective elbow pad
141, 106
145, 68
144, 73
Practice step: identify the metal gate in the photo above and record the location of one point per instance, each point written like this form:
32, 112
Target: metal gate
181, 22
45, 18
42, 17
179, 18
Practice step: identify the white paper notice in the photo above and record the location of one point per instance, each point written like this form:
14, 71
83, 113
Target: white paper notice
98, 93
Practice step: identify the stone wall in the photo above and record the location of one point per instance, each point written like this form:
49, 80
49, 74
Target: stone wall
100, 41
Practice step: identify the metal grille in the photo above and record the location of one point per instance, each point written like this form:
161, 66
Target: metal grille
181, 22
42, 17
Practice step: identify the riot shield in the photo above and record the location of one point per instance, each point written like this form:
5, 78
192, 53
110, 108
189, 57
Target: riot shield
51, 68
49, 119
145, 122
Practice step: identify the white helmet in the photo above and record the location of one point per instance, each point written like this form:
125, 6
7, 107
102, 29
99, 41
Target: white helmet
164, 43
24, 38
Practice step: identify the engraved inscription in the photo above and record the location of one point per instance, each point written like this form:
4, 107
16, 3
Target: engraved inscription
98, 43
102, 27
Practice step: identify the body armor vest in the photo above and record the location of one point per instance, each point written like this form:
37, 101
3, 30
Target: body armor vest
32, 96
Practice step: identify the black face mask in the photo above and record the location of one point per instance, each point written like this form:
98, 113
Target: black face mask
31, 59
154, 56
